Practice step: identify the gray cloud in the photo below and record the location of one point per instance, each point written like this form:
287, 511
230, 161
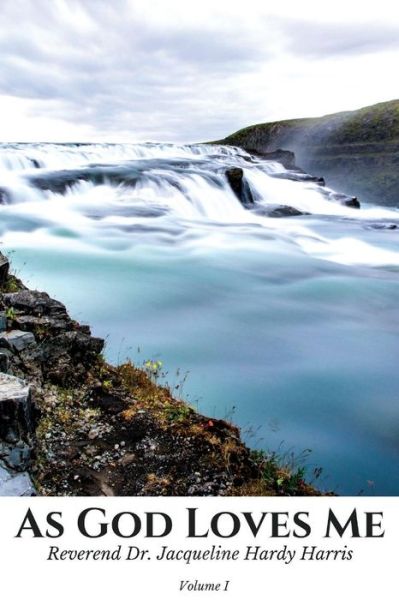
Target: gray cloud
121, 72
321, 39
113, 70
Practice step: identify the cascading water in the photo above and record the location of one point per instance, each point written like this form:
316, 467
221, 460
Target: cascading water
292, 321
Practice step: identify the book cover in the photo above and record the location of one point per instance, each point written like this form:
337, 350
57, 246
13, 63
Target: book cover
198, 298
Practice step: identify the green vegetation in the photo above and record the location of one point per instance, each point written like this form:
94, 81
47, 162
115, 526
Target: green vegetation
377, 123
82, 448
153, 368
279, 475
10, 313
11, 285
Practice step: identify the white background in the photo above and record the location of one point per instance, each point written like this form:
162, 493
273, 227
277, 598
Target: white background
25, 572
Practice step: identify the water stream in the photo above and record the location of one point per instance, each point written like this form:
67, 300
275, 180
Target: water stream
288, 325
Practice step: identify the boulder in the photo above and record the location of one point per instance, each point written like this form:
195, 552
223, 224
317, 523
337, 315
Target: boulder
17, 340
34, 303
286, 211
276, 210
344, 199
43, 326
352, 202
76, 344
239, 185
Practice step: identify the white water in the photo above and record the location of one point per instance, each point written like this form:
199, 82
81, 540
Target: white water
290, 319
15, 157
191, 200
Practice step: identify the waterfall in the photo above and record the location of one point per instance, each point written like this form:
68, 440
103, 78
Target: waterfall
280, 301
109, 194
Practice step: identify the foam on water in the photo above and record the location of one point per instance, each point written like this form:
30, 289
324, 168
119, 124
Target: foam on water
21, 157
183, 200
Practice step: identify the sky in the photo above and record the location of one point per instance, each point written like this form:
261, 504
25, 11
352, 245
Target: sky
186, 71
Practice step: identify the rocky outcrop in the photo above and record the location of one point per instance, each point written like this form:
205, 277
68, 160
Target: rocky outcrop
71, 424
243, 192
357, 152
66, 349
15, 437
239, 185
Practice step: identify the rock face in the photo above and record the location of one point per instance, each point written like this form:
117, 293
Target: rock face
17, 340
16, 429
34, 303
357, 152
66, 348
280, 211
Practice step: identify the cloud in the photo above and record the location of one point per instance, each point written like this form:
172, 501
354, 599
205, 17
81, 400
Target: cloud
320, 39
117, 71
138, 70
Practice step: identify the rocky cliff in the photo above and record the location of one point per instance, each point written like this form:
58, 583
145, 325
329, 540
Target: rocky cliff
357, 152
72, 424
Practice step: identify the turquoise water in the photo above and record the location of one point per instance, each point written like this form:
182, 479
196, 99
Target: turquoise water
307, 360
288, 326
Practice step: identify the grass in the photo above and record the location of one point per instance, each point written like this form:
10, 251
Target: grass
11, 285
142, 384
376, 123
357, 152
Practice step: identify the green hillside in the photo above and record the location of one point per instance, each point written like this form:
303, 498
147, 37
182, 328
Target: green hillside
356, 151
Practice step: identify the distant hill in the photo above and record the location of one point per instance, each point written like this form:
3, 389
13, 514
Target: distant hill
356, 152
